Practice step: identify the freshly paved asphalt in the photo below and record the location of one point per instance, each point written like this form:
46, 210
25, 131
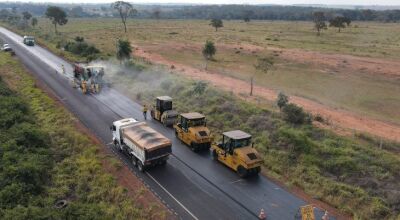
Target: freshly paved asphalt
192, 185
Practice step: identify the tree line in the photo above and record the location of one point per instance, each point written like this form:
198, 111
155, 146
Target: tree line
226, 12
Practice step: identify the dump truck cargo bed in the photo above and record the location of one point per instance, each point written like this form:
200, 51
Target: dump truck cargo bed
145, 137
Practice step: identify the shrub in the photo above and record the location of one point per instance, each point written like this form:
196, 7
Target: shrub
81, 48
282, 100
295, 114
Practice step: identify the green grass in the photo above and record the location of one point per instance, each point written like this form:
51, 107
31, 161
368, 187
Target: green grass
366, 94
44, 158
353, 174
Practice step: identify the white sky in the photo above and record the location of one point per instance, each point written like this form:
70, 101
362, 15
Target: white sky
286, 2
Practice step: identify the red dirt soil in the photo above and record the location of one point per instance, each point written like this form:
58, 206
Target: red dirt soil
342, 122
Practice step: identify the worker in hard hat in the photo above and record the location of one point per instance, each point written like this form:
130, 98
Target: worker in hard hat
145, 112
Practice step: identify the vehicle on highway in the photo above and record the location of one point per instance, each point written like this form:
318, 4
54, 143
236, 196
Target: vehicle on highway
236, 151
191, 129
162, 111
88, 78
7, 48
29, 40
145, 146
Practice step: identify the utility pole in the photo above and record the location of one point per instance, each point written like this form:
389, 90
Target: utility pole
251, 86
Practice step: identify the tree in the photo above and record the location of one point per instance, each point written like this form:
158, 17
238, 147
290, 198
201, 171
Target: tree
124, 50
125, 9
156, 13
339, 22
282, 100
209, 51
246, 15
319, 21
34, 22
77, 12
216, 23
26, 15
57, 16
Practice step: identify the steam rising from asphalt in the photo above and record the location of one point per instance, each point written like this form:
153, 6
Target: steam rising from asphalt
118, 74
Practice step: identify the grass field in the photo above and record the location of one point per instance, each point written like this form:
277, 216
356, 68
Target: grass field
326, 77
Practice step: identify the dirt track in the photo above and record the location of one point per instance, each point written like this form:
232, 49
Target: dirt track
343, 122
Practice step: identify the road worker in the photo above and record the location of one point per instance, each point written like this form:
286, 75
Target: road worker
325, 217
84, 90
145, 112
97, 87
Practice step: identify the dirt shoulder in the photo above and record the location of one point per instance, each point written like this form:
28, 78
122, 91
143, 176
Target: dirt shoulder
341, 121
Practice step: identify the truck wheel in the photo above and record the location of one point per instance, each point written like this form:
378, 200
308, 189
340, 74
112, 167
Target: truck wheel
140, 166
163, 163
215, 155
134, 161
193, 147
242, 172
117, 146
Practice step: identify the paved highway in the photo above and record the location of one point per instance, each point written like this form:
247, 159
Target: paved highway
192, 185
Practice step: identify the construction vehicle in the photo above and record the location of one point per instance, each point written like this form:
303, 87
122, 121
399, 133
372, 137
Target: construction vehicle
162, 111
237, 152
144, 146
29, 40
191, 129
88, 78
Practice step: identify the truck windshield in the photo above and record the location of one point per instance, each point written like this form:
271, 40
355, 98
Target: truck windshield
167, 105
197, 122
241, 143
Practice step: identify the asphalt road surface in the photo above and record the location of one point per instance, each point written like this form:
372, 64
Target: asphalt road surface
192, 185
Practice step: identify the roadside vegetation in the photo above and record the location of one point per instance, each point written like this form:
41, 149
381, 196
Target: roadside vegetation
49, 169
357, 175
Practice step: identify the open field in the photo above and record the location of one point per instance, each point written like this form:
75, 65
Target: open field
46, 156
355, 71
354, 174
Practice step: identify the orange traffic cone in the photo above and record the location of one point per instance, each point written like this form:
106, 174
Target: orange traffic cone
325, 217
262, 215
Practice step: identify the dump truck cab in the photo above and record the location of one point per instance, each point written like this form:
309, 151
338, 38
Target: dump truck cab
162, 111
29, 40
236, 151
191, 129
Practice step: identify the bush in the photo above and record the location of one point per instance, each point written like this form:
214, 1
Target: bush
295, 114
81, 48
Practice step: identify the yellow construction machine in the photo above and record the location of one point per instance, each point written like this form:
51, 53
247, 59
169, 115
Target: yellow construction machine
88, 78
191, 129
237, 152
162, 111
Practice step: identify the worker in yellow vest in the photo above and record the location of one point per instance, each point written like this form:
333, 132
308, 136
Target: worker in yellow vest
84, 89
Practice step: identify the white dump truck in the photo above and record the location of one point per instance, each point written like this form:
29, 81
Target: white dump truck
145, 146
